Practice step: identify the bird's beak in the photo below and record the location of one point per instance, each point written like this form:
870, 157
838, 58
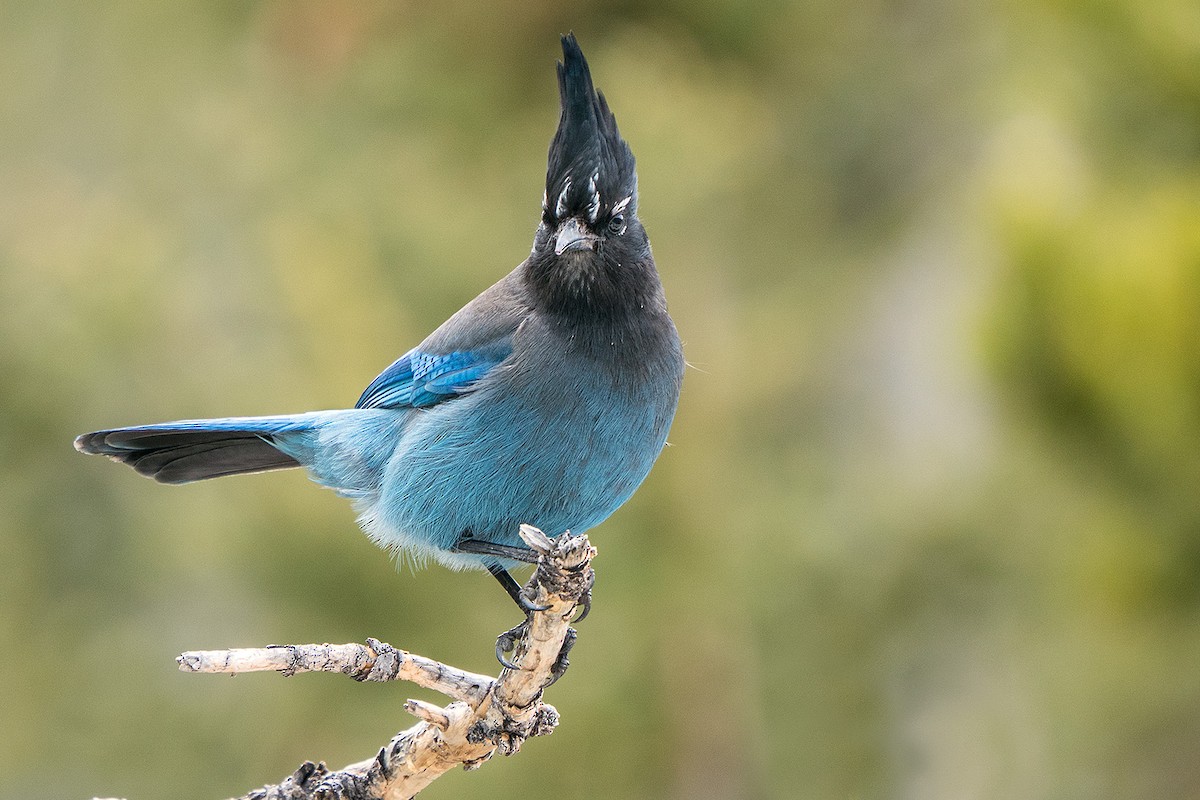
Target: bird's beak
573, 236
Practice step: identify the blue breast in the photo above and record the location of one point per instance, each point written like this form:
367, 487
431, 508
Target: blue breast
549, 439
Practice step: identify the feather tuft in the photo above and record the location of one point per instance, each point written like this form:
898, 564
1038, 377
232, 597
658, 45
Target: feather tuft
587, 143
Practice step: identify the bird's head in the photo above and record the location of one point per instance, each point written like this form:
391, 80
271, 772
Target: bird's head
590, 243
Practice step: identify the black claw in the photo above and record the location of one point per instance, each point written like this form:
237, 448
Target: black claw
501, 649
514, 590
585, 601
507, 642
530, 606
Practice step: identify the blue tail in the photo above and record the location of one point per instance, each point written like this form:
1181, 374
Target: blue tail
194, 450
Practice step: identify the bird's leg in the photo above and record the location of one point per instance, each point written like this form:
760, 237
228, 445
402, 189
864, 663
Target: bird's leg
507, 641
513, 588
479, 547
507, 582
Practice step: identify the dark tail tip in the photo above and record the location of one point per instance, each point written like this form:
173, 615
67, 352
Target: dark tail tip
85, 443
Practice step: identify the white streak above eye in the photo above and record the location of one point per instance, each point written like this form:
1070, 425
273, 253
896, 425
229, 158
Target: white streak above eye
593, 208
545, 201
561, 207
619, 207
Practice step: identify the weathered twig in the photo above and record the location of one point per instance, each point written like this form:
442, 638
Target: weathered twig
373, 661
487, 715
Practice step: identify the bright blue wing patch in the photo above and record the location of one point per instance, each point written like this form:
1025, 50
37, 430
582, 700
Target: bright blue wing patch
419, 379
391, 388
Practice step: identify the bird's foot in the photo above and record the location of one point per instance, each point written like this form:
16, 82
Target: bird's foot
552, 579
507, 643
515, 590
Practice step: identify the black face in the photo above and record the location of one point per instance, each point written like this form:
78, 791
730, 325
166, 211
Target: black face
598, 263
590, 255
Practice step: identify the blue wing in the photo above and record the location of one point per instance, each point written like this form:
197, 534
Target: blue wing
456, 356
418, 379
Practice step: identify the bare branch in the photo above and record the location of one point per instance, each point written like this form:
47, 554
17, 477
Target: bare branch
487, 715
373, 661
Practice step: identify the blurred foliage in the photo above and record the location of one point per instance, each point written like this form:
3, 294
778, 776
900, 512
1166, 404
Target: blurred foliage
929, 527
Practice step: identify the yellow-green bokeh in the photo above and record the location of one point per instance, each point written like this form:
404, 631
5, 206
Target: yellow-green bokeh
929, 526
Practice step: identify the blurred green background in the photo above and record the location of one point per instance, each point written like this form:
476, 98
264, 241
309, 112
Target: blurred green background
929, 527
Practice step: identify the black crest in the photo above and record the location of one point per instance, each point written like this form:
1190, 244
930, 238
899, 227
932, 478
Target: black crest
588, 157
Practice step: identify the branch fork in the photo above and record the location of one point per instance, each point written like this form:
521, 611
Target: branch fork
487, 715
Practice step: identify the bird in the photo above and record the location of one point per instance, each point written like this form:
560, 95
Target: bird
545, 400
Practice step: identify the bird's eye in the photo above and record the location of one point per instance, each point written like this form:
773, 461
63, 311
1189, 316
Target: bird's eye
617, 224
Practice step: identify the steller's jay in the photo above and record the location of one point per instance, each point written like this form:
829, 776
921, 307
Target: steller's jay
545, 400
